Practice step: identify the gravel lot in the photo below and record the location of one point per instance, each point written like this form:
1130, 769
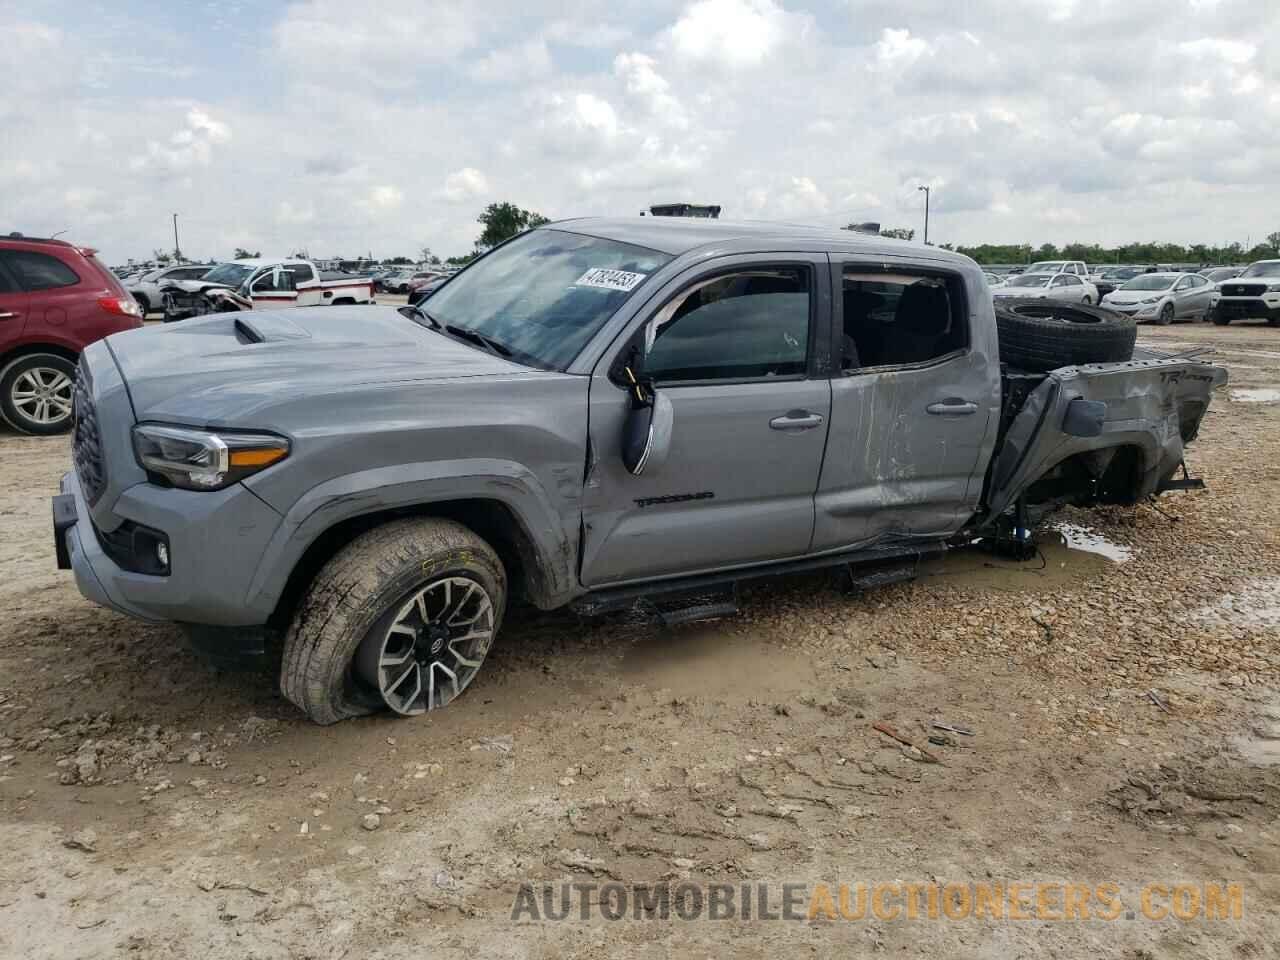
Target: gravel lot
151, 807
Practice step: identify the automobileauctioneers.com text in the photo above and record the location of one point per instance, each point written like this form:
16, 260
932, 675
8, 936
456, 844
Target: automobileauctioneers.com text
1182, 901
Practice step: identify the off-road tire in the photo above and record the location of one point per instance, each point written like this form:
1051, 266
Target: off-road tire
359, 590
1041, 337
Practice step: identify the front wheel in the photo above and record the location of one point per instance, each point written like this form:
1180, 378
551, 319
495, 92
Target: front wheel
1166, 315
400, 619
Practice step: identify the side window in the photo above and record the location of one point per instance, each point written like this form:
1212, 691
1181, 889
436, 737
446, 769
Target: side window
1183, 284
39, 271
1059, 281
301, 272
266, 281
6, 285
893, 319
1071, 281
737, 326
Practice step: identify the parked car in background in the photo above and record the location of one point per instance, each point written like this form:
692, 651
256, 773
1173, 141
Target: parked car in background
1113, 278
1066, 287
1218, 274
55, 299
1074, 267
147, 287
1163, 298
993, 279
262, 282
422, 279
1254, 295
421, 293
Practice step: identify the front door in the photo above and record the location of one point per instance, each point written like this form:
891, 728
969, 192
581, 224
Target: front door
272, 288
914, 409
734, 349
14, 302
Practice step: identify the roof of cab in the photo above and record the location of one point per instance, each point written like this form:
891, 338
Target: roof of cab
677, 235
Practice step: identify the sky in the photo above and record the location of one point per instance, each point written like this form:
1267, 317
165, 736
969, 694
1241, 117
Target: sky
387, 126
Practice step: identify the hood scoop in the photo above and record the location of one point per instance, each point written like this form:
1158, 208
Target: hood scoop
268, 329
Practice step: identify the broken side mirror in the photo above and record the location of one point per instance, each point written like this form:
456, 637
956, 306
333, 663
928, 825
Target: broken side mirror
646, 432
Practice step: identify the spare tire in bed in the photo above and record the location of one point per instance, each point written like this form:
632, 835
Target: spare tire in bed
1043, 336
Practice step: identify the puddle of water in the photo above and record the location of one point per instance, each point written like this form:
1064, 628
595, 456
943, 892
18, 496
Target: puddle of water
1260, 395
1068, 552
1256, 604
705, 661
1083, 539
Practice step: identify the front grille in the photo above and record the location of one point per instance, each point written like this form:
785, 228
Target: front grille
86, 443
1243, 289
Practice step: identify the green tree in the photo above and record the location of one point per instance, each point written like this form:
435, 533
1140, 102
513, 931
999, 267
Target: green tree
462, 260
242, 254
898, 233
502, 221
426, 256
1273, 241
159, 256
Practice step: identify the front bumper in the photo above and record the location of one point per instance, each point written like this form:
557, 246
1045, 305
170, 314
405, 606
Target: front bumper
1248, 308
215, 542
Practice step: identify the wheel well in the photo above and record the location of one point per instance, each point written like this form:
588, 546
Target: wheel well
1113, 475
30, 348
491, 520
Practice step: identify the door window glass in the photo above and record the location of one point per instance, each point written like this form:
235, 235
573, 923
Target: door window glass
738, 326
894, 319
39, 271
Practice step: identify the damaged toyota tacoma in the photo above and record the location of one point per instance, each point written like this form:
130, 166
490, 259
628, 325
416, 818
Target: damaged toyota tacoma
596, 413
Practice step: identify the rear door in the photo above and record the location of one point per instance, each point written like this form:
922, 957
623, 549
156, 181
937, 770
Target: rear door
735, 348
914, 407
307, 285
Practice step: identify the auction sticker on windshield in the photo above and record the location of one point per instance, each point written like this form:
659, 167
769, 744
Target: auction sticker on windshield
610, 279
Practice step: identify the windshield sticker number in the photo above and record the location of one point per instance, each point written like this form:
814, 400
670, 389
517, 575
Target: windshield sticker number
610, 279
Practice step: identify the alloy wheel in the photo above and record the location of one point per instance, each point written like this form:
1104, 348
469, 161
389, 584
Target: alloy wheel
433, 647
42, 395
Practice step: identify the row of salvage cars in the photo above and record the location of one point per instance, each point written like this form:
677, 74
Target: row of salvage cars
1220, 295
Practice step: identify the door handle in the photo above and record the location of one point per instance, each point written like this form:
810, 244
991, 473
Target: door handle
952, 406
796, 420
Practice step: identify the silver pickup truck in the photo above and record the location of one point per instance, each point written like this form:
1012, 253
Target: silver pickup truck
594, 413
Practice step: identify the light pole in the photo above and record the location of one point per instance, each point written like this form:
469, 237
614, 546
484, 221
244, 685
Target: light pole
926, 212
177, 250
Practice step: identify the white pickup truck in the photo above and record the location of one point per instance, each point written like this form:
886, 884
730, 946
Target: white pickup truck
262, 282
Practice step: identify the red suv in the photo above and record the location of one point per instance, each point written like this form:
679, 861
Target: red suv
55, 300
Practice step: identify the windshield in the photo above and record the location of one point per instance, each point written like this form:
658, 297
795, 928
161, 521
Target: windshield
1030, 280
1264, 268
1124, 273
545, 294
1046, 266
1150, 281
232, 274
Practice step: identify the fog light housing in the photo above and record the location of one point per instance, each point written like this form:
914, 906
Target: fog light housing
162, 555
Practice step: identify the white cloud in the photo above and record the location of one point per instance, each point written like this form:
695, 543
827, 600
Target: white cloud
898, 49
735, 33
465, 184
385, 197
1235, 52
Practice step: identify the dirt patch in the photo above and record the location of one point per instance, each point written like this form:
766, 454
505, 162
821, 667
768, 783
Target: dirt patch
153, 807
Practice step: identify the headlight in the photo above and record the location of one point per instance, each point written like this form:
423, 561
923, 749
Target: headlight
1273, 288
1153, 299
201, 460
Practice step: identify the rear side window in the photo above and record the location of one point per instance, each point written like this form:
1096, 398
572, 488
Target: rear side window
301, 272
740, 326
898, 319
38, 271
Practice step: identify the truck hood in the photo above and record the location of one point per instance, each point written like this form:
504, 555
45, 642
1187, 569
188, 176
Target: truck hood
218, 369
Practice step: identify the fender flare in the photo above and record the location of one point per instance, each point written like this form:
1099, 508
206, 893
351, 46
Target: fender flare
552, 538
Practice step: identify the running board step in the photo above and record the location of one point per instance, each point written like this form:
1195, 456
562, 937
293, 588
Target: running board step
696, 607
881, 575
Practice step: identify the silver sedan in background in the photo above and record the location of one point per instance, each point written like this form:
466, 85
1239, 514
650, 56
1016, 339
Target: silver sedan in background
1163, 297
1066, 287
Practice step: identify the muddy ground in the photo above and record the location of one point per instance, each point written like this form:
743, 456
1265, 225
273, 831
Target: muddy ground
152, 807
